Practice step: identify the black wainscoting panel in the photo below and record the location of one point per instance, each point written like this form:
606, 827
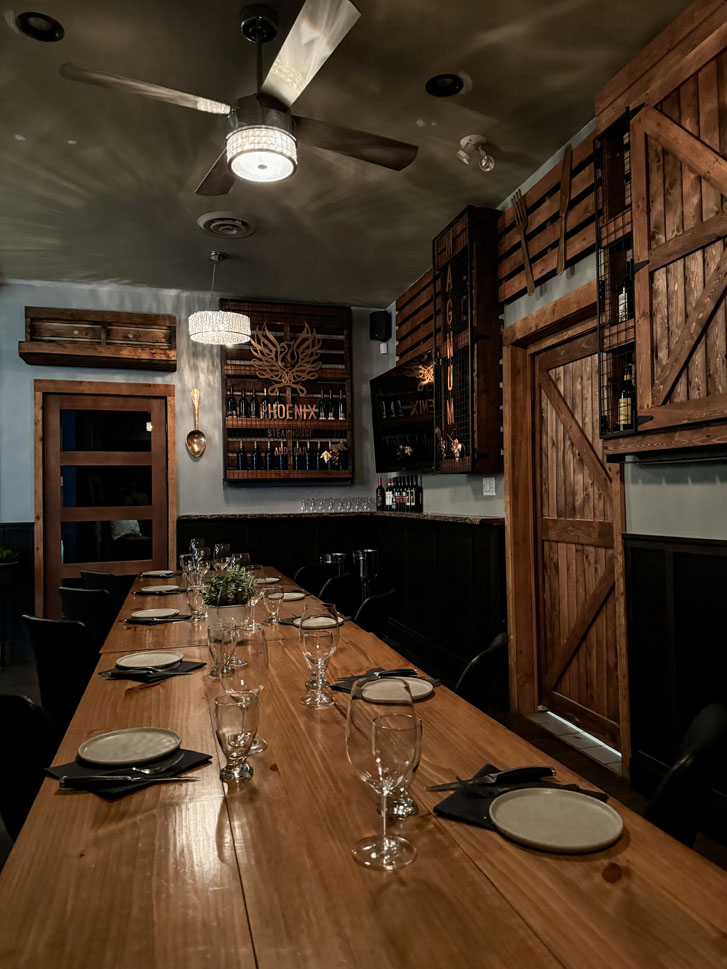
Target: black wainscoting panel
450, 576
19, 598
677, 634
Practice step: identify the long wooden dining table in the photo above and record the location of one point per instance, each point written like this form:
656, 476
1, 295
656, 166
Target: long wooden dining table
260, 874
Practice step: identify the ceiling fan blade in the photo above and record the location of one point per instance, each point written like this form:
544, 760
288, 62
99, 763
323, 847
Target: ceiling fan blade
319, 28
218, 180
148, 90
356, 144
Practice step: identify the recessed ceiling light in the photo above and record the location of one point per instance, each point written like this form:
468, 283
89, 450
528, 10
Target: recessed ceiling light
39, 26
444, 85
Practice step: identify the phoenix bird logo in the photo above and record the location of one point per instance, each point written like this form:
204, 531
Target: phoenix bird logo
288, 363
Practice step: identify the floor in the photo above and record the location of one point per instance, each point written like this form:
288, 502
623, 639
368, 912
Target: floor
580, 752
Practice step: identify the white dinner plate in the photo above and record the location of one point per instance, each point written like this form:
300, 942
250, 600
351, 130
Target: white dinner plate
154, 613
383, 690
567, 822
160, 588
293, 596
268, 580
132, 745
317, 622
158, 658
157, 574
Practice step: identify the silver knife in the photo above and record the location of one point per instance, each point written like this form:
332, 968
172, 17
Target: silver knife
564, 201
512, 776
80, 783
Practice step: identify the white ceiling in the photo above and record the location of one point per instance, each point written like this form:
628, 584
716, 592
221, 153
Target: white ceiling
98, 185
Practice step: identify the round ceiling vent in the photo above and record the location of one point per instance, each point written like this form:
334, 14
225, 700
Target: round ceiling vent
225, 225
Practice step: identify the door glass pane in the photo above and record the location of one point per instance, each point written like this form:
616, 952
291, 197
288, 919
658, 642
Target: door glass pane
85, 485
119, 541
105, 430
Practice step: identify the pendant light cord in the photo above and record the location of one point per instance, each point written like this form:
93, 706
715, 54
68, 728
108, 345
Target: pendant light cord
212, 291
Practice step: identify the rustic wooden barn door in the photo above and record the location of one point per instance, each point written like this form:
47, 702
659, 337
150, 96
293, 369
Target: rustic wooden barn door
574, 542
679, 173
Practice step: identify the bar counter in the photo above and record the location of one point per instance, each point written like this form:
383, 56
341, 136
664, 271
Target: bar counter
194, 876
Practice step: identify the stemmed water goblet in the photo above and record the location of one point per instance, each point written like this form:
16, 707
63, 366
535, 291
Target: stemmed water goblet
400, 804
259, 573
187, 562
221, 645
236, 720
381, 746
273, 599
250, 673
195, 602
322, 615
318, 646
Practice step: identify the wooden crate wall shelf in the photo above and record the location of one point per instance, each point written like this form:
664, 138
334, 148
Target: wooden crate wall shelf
329, 371
99, 338
415, 320
543, 229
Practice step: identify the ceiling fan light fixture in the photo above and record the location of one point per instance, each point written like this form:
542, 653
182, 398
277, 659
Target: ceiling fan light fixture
262, 153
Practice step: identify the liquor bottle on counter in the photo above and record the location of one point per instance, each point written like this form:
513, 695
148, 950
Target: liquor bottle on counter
269, 457
241, 462
341, 406
297, 457
242, 404
380, 497
255, 458
626, 401
254, 412
264, 406
231, 406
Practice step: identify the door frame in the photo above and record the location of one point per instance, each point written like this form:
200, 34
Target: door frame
101, 388
561, 320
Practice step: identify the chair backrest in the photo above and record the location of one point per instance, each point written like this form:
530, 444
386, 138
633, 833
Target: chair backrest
23, 762
678, 801
374, 612
344, 591
312, 578
93, 607
65, 658
117, 586
484, 681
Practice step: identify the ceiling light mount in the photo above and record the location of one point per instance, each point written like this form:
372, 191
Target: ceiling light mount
218, 327
472, 149
39, 26
258, 23
444, 85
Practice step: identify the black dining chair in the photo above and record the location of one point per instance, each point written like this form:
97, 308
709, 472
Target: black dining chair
23, 762
484, 681
344, 591
374, 612
117, 586
65, 658
312, 578
677, 804
93, 607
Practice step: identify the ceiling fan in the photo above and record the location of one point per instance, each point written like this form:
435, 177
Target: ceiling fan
262, 133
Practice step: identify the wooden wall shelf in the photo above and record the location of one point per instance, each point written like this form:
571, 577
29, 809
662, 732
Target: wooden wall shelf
313, 425
99, 338
314, 475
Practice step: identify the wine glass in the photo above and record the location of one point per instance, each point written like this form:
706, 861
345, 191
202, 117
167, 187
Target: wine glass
400, 805
187, 562
236, 719
196, 604
221, 644
250, 673
320, 615
381, 745
241, 560
273, 600
318, 646
195, 543
221, 556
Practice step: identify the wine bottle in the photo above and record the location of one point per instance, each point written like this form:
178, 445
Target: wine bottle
341, 406
343, 457
389, 497
626, 401
242, 405
399, 408
317, 456
332, 414
255, 458
382, 407
254, 412
380, 497
296, 456
264, 404
269, 457
241, 457
322, 412
283, 457
392, 407
231, 407
308, 456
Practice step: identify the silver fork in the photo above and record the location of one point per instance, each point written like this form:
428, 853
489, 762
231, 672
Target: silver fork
521, 218
165, 765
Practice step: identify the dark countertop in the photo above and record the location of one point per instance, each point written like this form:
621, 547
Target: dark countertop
457, 519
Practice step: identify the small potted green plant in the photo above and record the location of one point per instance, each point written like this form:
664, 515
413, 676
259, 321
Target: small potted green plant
228, 595
8, 565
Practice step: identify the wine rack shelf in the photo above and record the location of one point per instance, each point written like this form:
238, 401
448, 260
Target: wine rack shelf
297, 364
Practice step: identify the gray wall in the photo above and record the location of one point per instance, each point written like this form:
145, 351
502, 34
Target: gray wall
200, 486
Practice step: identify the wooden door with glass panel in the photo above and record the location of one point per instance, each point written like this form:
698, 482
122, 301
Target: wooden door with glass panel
105, 487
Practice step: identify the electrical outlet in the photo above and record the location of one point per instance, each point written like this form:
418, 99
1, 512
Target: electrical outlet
488, 487
383, 348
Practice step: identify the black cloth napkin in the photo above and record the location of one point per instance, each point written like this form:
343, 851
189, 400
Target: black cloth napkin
154, 622
166, 592
474, 808
344, 684
113, 791
184, 666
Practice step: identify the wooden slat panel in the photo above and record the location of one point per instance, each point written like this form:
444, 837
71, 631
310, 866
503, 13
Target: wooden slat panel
580, 532
415, 319
701, 234
706, 162
578, 244
424, 280
549, 235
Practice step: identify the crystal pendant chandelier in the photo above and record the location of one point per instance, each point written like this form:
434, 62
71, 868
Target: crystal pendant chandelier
262, 153
218, 327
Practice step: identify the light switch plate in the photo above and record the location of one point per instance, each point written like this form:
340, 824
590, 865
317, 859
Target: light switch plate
488, 487
383, 348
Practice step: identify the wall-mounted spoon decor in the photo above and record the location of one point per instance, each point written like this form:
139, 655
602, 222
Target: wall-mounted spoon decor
196, 441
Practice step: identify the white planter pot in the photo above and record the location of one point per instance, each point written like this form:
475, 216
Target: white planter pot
231, 615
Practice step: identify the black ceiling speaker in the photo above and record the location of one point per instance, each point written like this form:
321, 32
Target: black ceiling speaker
380, 326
